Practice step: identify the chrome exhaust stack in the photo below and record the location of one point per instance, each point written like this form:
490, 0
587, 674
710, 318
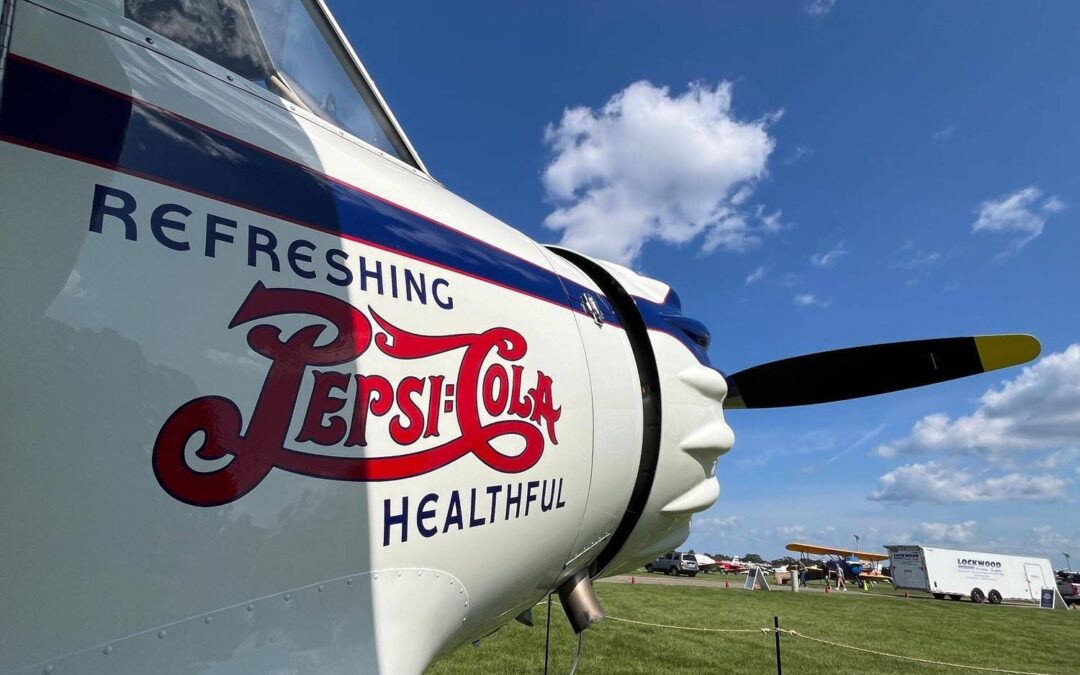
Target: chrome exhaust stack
579, 601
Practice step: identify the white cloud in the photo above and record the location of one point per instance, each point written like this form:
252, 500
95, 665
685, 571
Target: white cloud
918, 262
1066, 459
946, 533
800, 153
818, 7
828, 258
1038, 410
810, 300
946, 134
717, 522
934, 482
653, 165
1018, 213
755, 276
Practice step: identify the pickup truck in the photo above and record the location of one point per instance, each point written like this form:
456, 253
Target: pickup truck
1069, 586
674, 563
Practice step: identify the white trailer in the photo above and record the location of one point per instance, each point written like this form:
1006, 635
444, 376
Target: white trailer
978, 576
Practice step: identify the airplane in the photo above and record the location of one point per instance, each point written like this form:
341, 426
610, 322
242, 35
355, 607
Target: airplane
854, 563
735, 566
277, 400
707, 564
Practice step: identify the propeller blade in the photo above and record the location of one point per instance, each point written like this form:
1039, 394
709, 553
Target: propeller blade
843, 374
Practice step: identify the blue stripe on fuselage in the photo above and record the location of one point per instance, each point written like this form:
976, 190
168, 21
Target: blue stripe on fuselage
60, 113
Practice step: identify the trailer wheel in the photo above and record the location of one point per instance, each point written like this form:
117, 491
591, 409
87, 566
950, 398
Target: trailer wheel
955, 596
977, 595
994, 597
939, 596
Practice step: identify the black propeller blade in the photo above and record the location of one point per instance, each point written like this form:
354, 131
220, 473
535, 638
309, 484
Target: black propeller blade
874, 369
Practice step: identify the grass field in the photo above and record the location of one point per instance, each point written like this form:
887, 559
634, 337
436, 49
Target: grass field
1004, 637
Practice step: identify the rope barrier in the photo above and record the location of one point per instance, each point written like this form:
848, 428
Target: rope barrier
910, 658
695, 628
769, 631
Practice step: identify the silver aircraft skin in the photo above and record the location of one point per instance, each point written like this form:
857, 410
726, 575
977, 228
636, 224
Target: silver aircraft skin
274, 398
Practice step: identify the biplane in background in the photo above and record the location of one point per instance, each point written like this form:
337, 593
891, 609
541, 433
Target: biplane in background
858, 565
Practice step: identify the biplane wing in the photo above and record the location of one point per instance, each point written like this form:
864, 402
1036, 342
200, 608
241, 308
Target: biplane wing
874, 576
831, 550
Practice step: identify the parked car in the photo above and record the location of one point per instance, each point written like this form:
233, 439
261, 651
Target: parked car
1068, 584
674, 563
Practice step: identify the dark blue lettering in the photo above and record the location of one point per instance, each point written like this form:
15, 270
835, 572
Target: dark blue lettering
365, 274
530, 494
493, 490
453, 512
267, 246
546, 501
445, 303
511, 498
411, 284
559, 503
423, 514
401, 519
296, 255
473, 520
332, 256
212, 234
99, 210
159, 223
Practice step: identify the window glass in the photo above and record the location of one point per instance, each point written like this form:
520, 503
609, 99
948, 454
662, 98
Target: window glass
285, 46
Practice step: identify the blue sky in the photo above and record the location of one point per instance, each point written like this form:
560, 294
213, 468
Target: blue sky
807, 175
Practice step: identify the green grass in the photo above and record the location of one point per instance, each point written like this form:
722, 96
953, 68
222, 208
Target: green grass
1014, 638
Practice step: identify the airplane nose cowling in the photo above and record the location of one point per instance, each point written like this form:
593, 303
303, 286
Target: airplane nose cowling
685, 427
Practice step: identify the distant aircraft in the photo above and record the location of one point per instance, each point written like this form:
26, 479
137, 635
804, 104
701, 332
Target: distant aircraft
277, 400
854, 563
706, 564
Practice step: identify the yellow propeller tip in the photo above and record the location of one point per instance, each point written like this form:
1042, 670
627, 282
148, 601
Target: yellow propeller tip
1002, 351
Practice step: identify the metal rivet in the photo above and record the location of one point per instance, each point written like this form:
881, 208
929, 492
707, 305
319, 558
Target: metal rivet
451, 582
251, 608
376, 577
436, 575
107, 650
319, 588
48, 669
149, 40
399, 574
348, 582
229, 78
288, 597
161, 634
419, 574
209, 619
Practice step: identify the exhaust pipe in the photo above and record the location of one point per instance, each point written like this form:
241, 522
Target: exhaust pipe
579, 601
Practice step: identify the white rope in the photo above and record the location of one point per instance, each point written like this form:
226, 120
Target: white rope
768, 631
694, 628
910, 658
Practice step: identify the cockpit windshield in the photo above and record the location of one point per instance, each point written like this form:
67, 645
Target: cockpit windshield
286, 46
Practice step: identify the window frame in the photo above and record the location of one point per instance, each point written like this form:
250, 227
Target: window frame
335, 38
331, 32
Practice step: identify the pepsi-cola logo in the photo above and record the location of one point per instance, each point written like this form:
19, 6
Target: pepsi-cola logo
488, 380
